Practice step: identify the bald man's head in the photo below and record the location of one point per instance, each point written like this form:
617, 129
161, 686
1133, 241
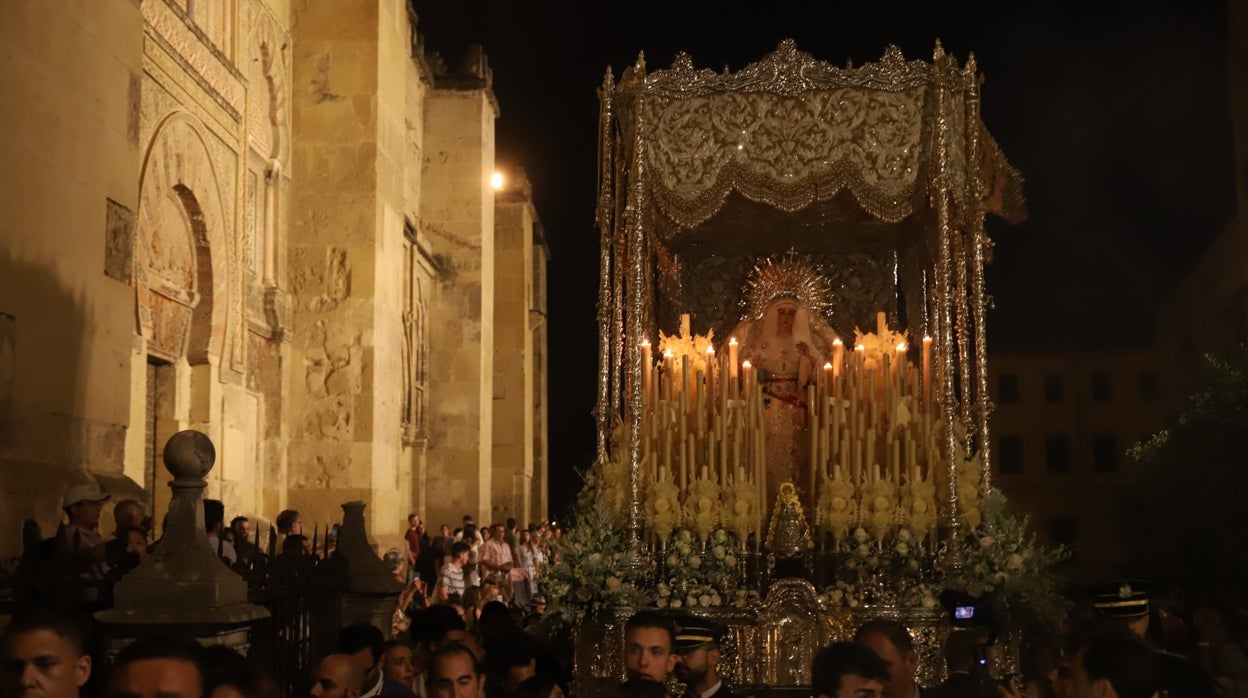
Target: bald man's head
337, 676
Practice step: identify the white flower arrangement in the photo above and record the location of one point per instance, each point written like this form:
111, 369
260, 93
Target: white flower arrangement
702, 507
841, 594
1000, 557
663, 509
592, 575
837, 508
739, 511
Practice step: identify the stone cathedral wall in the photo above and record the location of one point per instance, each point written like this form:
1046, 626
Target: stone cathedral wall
271, 223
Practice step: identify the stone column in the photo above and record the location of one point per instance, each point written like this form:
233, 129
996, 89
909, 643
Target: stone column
183, 588
458, 214
512, 465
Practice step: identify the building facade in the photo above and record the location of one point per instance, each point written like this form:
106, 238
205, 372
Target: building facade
1061, 428
272, 222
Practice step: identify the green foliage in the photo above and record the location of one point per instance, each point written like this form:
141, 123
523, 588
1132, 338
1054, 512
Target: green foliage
1181, 517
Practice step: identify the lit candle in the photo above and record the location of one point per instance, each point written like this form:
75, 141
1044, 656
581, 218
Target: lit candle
827, 378
927, 376
645, 367
710, 380
900, 367
838, 355
732, 358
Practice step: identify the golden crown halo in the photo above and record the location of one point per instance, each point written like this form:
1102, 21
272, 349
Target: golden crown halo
790, 276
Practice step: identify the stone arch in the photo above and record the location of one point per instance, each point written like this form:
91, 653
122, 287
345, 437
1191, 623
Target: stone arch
181, 275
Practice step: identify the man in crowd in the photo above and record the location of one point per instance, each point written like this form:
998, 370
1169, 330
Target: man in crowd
246, 549
1115, 665
43, 654
158, 667
1125, 605
648, 641
367, 646
451, 578
963, 648
697, 657
337, 676
415, 531
455, 673
79, 545
495, 557
892, 642
848, 670
214, 524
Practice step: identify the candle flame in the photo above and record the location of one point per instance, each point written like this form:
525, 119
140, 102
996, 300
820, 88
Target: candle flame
926, 338
732, 340
746, 364
827, 366
837, 342
645, 342
901, 347
860, 347
668, 354
710, 351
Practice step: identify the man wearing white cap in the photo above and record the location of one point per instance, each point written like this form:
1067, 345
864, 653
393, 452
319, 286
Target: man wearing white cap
79, 543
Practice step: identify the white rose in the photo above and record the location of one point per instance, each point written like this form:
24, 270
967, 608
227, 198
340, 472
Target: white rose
860, 535
683, 548
613, 584
864, 550
929, 602
730, 561
987, 541
672, 561
664, 592
904, 535
1016, 561
705, 599
903, 549
719, 552
716, 600
691, 601
596, 557
675, 603
695, 562
661, 603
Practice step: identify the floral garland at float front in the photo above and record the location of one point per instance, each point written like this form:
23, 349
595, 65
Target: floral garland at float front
592, 574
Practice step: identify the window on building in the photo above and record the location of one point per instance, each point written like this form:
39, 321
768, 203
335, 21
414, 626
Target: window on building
1057, 453
1105, 453
1102, 387
1150, 386
1063, 530
1054, 388
1007, 388
1010, 454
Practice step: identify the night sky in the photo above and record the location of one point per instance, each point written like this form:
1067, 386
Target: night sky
1118, 117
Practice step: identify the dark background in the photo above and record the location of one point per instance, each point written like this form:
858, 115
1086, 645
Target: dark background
1116, 114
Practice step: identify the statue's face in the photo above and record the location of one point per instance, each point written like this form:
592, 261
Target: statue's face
785, 315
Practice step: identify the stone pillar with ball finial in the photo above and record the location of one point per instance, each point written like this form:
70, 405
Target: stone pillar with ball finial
183, 588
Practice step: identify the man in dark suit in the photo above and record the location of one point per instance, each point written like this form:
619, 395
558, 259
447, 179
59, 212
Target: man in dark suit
891, 641
697, 649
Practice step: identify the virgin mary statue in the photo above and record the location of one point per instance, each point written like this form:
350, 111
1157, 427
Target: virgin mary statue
785, 336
